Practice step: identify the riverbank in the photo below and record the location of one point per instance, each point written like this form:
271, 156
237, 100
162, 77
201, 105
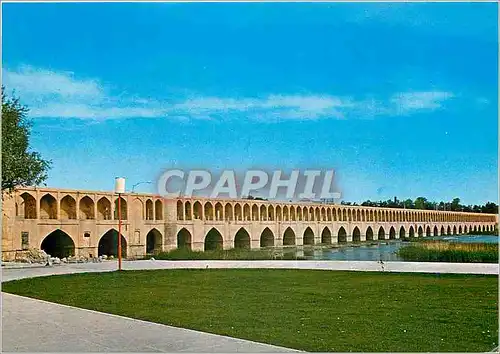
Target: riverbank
442, 251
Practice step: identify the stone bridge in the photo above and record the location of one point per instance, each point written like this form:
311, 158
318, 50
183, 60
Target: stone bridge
84, 223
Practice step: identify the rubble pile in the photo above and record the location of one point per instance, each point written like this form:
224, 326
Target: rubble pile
32, 255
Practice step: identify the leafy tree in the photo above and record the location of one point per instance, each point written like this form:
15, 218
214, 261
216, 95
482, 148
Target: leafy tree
420, 203
20, 165
455, 204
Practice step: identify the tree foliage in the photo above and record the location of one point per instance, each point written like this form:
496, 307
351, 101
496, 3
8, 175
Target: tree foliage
20, 165
422, 203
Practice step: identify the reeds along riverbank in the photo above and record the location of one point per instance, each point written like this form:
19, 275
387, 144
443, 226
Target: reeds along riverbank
438, 251
232, 254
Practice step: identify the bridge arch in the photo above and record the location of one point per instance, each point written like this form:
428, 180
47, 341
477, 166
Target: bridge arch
242, 239
436, 232
213, 240
454, 230
87, 208
184, 239
392, 233
154, 241
68, 207
460, 230
326, 236
28, 206
267, 238
381, 233
448, 231
197, 211
356, 234
108, 244
104, 209
48, 207
308, 238
289, 237
402, 232
342, 235
58, 244
369, 233
411, 232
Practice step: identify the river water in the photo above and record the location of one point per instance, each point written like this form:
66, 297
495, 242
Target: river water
385, 250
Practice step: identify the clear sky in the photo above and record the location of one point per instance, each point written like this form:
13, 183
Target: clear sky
400, 99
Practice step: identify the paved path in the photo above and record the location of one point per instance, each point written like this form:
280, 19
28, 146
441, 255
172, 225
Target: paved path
415, 267
31, 325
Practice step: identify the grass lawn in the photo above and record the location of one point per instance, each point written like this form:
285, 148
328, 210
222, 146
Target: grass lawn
311, 310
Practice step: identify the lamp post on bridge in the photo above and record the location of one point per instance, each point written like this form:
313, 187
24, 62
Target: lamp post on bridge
135, 185
119, 188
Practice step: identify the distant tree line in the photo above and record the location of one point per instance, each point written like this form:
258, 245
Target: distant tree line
424, 204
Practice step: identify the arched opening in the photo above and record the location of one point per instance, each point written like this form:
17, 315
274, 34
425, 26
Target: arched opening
279, 215
435, 233
87, 208
289, 237
263, 213
213, 240
48, 207
123, 206
475, 228
448, 230
197, 211
308, 238
286, 215
187, 210
381, 233
104, 209
460, 230
454, 230
293, 214
108, 244
392, 233
184, 239
402, 233
246, 212
158, 210
218, 212
58, 244
29, 203
326, 236
228, 212
356, 234
428, 231
369, 234
68, 208
238, 215
154, 242
342, 235
180, 210
270, 213
242, 239
442, 231
412, 232
266, 238
255, 213
420, 231
209, 211
149, 210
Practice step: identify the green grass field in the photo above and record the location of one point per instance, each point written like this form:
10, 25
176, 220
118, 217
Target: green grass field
310, 310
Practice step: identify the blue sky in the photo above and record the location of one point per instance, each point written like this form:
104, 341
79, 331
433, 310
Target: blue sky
399, 99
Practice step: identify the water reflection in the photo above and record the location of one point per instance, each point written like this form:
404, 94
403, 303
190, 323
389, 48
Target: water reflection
385, 250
